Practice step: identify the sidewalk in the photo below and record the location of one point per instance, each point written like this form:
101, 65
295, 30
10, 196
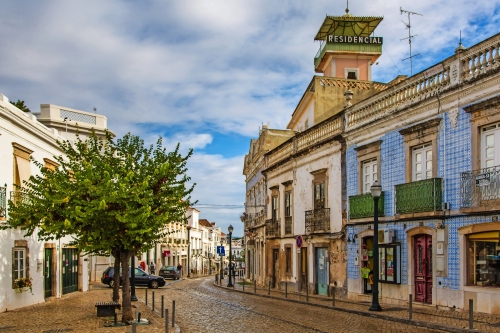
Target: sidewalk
423, 315
76, 312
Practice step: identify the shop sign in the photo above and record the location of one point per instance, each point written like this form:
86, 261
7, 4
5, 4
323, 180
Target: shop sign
166, 253
354, 39
483, 179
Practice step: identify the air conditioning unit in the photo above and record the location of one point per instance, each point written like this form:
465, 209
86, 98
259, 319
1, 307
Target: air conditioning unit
386, 236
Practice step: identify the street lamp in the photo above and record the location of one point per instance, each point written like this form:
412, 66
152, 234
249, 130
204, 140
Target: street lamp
230, 229
133, 297
376, 190
189, 250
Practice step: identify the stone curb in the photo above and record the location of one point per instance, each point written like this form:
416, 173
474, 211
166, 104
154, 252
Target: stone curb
363, 313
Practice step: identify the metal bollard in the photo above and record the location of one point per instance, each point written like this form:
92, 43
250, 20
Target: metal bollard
134, 327
162, 305
115, 319
255, 286
166, 321
286, 289
243, 285
411, 306
153, 303
139, 317
307, 293
269, 288
333, 296
471, 314
173, 313
146, 296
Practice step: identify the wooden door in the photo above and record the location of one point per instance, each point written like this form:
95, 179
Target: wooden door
69, 270
275, 274
322, 271
423, 268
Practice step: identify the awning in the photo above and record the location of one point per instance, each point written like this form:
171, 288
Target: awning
348, 25
486, 235
24, 169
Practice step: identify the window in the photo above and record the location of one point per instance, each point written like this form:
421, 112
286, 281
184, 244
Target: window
19, 263
490, 141
274, 208
370, 174
422, 162
288, 203
319, 195
351, 73
389, 263
288, 257
22, 166
483, 259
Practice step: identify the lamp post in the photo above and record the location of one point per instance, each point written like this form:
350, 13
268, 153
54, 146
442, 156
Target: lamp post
230, 229
376, 190
189, 250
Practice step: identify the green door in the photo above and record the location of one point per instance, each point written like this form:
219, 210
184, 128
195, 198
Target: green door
69, 271
47, 272
322, 270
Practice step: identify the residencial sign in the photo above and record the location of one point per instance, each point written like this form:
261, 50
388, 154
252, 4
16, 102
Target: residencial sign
483, 179
354, 39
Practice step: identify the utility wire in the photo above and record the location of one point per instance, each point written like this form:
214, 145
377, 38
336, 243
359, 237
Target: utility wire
392, 60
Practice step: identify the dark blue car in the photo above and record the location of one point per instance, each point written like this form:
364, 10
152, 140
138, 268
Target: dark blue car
141, 278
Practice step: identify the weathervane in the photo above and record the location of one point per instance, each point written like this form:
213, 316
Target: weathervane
408, 26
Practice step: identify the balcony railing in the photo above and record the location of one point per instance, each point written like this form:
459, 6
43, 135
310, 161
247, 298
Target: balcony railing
3, 202
317, 220
288, 225
420, 196
479, 187
361, 206
18, 197
273, 228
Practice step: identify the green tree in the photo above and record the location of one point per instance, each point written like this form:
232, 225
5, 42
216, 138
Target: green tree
20, 105
111, 197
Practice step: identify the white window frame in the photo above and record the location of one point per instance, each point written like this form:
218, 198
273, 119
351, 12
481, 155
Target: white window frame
347, 70
275, 208
369, 179
21, 271
423, 150
288, 205
495, 159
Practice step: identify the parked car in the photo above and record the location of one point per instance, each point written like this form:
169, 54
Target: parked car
170, 272
142, 278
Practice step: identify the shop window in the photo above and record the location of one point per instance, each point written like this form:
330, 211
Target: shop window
390, 263
483, 259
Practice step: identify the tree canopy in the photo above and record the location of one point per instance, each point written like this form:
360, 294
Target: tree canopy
112, 197
20, 105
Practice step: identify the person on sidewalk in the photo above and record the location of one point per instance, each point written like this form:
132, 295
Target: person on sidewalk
179, 268
152, 268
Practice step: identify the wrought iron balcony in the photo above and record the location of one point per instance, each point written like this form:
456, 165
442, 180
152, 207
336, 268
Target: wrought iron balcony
18, 196
288, 225
3, 202
317, 220
361, 206
480, 188
273, 228
420, 196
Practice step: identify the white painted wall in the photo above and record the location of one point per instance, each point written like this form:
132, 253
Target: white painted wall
306, 118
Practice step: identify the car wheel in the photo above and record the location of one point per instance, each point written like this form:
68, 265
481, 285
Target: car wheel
153, 284
111, 283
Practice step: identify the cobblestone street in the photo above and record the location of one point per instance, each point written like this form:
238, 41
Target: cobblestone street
202, 307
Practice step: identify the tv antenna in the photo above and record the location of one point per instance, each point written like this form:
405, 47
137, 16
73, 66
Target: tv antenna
410, 36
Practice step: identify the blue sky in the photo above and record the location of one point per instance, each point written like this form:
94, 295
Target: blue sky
207, 74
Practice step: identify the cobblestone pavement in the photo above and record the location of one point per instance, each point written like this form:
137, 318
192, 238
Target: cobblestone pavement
203, 307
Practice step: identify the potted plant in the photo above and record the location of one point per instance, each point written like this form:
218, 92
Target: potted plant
23, 284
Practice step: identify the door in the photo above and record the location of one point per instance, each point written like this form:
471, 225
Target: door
275, 267
303, 265
47, 272
423, 268
69, 270
322, 270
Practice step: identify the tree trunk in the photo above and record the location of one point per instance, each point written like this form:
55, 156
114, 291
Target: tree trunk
127, 315
116, 276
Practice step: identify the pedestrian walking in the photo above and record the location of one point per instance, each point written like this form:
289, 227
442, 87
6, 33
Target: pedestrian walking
152, 268
179, 268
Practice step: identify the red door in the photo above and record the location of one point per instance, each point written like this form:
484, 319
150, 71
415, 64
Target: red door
423, 268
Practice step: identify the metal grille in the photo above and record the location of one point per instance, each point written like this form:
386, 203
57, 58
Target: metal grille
3, 201
479, 187
75, 116
317, 220
288, 225
361, 206
273, 228
420, 196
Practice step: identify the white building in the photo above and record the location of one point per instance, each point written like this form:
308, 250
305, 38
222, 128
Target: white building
54, 267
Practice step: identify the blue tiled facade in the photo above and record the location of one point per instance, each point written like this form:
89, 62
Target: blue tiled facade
454, 157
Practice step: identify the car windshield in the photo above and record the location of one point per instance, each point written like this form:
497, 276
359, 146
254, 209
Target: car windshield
168, 268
